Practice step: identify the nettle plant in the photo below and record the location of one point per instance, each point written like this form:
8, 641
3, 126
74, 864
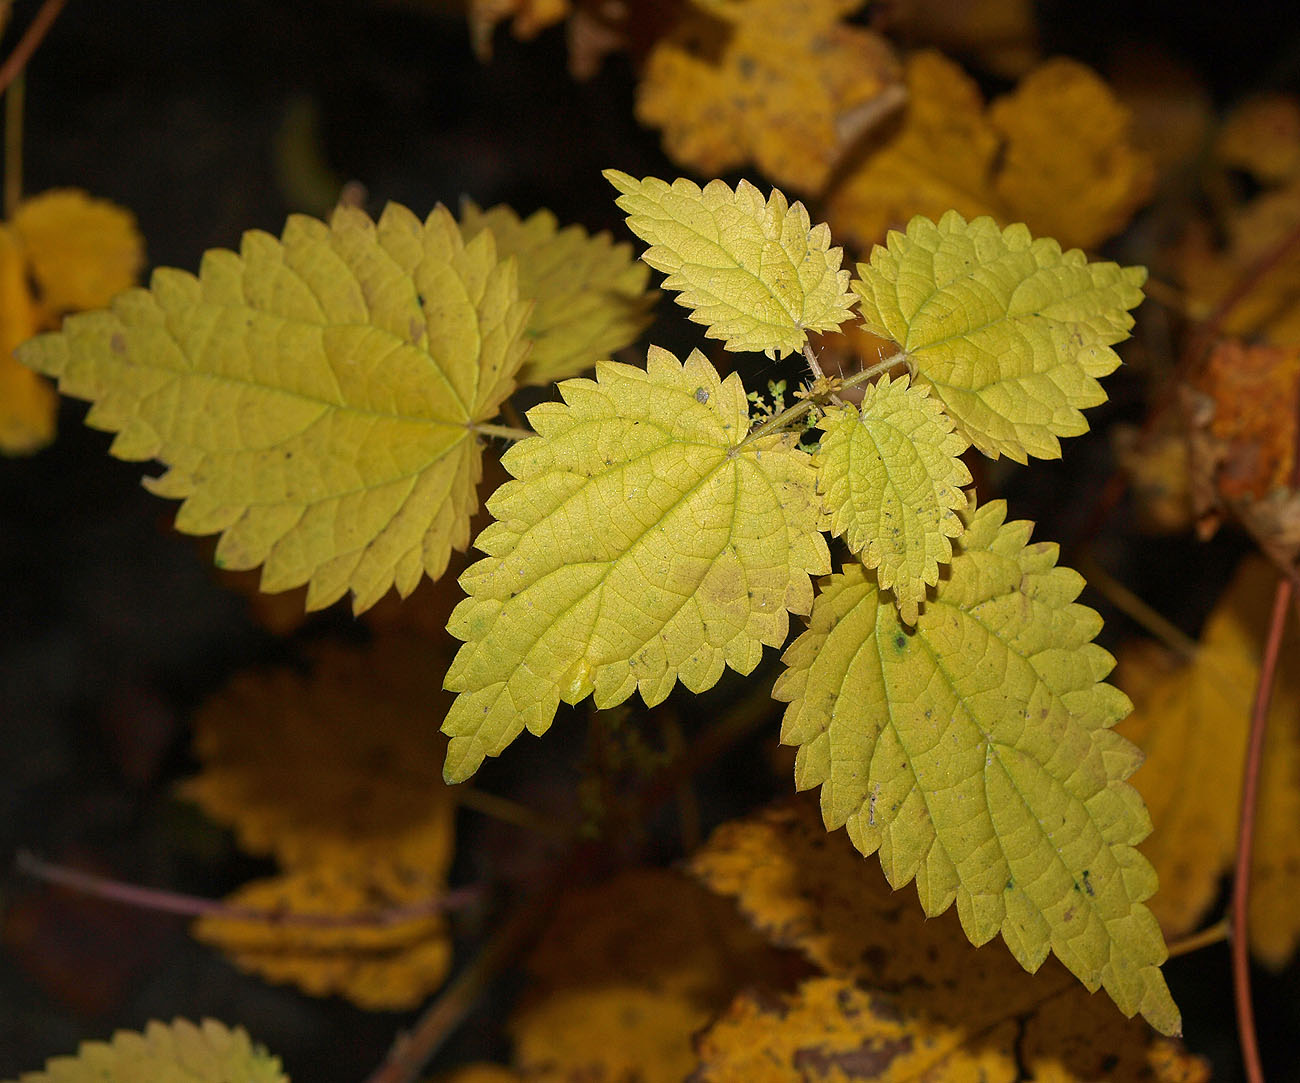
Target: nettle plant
322, 400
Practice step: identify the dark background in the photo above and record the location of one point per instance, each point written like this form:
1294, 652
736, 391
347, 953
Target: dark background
112, 629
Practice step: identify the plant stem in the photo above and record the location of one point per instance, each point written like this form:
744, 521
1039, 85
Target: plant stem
27, 44
1215, 934
411, 1051
1246, 832
192, 906
505, 432
507, 811
1137, 610
793, 413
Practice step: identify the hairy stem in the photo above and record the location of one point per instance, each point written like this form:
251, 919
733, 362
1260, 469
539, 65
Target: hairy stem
1246, 832
28, 43
791, 414
192, 906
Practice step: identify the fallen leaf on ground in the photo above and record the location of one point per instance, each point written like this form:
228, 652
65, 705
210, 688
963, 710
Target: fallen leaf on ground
385, 964
1057, 154
785, 84
1192, 722
904, 996
624, 976
342, 767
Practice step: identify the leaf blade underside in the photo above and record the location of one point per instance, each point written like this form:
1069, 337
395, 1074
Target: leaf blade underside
1008, 332
312, 396
756, 273
975, 755
640, 545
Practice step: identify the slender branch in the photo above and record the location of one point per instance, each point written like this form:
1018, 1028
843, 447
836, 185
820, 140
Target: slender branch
505, 432
1137, 610
1246, 832
1215, 934
508, 811
27, 44
411, 1051
793, 413
192, 906
813, 363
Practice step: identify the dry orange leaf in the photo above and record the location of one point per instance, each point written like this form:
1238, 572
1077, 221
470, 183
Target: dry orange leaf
626, 973
905, 996
782, 83
1192, 722
82, 250
1070, 169
28, 403
381, 965
1262, 137
339, 768
1057, 155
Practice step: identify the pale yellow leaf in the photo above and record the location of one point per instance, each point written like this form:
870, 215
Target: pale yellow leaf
314, 397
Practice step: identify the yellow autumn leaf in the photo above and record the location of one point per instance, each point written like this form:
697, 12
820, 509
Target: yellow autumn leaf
940, 158
1192, 722
1069, 167
1058, 154
790, 87
481, 1072
28, 403
82, 250
358, 950
646, 540
589, 294
891, 479
904, 997
314, 397
339, 767
624, 976
177, 1052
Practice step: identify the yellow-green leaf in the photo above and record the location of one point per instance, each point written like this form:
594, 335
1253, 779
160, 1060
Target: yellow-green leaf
644, 542
590, 297
183, 1052
891, 481
974, 753
755, 272
313, 397
1010, 333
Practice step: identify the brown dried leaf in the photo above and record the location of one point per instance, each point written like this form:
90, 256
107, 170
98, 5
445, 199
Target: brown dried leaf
379, 965
786, 85
627, 972
528, 19
341, 768
926, 1005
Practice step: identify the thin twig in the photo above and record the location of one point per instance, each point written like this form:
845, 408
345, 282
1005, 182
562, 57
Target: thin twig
505, 432
1246, 833
1137, 610
1215, 934
411, 1051
193, 906
27, 44
508, 811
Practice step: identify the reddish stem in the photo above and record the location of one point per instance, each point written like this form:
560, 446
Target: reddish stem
28, 43
191, 906
1245, 836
